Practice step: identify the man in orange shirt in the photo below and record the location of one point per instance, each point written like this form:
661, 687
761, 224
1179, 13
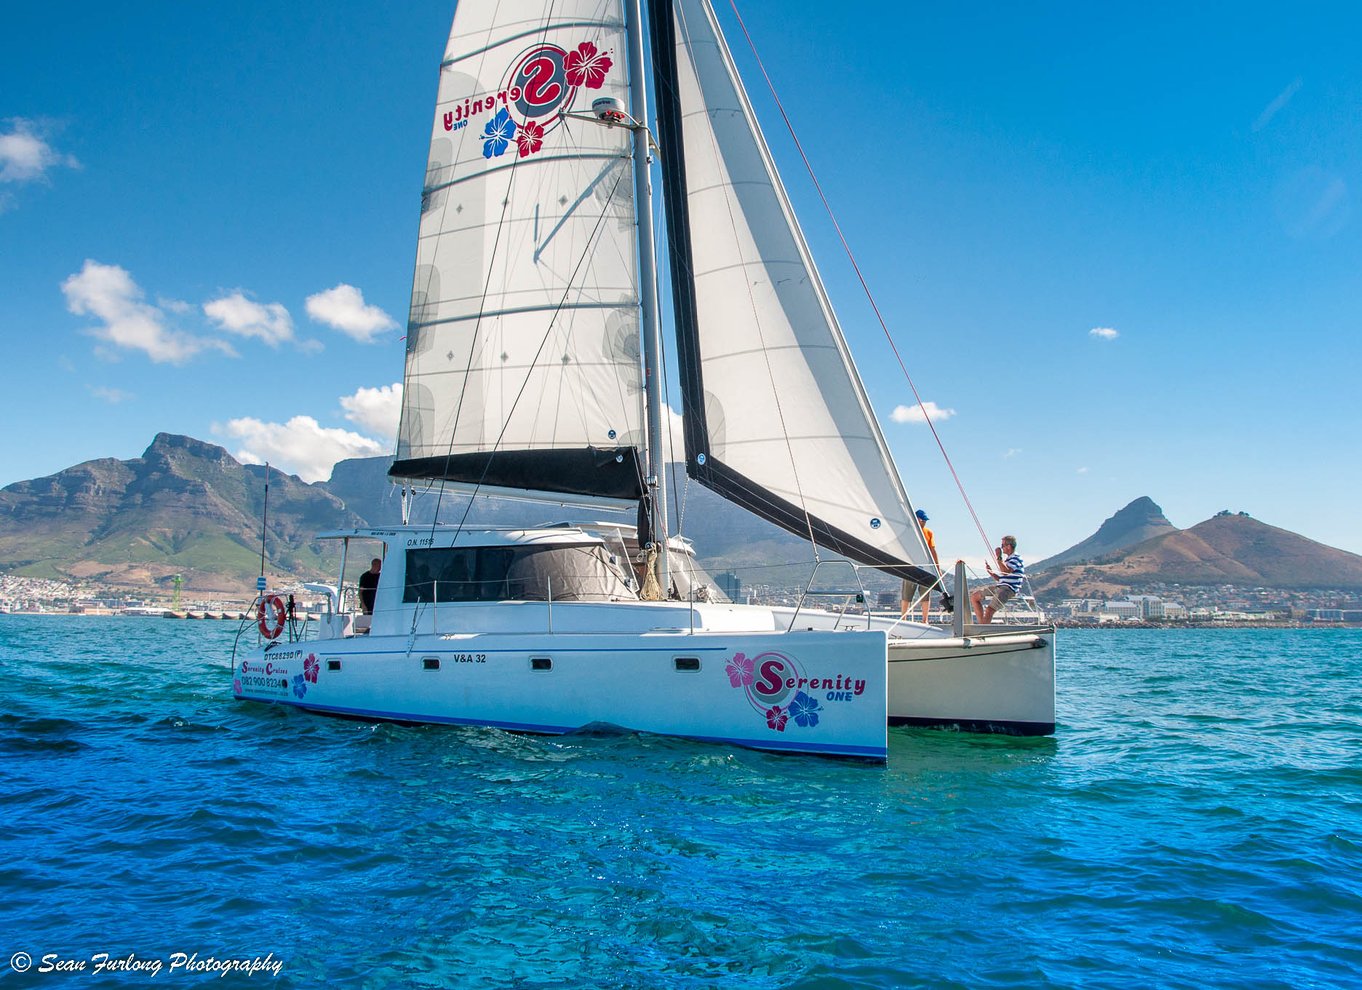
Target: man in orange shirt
906, 595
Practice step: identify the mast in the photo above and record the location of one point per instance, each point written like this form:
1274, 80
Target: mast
647, 270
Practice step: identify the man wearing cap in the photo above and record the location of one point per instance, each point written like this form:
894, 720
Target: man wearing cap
906, 594
1011, 570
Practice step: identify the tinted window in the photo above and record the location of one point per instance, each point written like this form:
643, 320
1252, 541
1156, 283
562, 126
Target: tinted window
493, 574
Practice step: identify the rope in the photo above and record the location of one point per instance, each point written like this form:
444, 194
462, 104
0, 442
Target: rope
861, 278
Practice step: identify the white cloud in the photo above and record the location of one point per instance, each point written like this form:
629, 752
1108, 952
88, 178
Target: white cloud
108, 293
1313, 202
237, 314
177, 306
1012, 452
343, 308
1280, 101
920, 413
1104, 333
1082, 470
25, 156
375, 410
113, 396
302, 446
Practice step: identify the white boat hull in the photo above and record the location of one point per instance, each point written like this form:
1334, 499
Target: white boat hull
815, 692
816, 689
1003, 681
996, 678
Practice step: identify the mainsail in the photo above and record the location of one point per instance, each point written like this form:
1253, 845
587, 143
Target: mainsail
776, 417
523, 367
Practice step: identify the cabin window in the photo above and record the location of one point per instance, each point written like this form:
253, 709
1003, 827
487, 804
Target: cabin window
514, 573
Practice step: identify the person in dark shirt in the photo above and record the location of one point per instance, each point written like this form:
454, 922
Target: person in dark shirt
368, 584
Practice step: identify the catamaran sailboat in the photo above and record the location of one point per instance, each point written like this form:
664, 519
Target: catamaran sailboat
534, 369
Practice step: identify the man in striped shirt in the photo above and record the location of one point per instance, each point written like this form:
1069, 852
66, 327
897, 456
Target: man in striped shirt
1011, 570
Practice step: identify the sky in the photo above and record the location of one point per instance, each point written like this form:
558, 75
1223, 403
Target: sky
1116, 245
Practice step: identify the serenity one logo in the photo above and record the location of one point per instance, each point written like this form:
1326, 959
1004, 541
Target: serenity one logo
779, 689
543, 82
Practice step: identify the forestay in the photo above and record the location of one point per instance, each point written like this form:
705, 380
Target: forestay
522, 367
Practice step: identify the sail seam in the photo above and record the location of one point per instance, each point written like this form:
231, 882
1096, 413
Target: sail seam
519, 311
526, 164
495, 449
541, 31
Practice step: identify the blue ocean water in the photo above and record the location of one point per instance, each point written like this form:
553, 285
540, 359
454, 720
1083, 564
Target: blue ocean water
1196, 821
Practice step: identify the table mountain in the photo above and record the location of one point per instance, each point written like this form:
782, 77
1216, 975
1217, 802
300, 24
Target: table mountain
188, 507
184, 507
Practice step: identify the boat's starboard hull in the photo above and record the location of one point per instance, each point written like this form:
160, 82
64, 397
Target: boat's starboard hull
806, 692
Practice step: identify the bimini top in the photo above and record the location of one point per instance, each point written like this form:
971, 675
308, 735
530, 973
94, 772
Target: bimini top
412, 537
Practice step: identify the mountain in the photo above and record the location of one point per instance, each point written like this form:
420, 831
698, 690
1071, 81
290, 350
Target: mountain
188, 507
1226, 549
1139, 521
184, 507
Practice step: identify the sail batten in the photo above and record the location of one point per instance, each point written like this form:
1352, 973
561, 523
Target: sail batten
494, 313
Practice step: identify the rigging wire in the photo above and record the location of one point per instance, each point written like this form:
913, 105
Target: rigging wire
482, 303
789, 126
543, 342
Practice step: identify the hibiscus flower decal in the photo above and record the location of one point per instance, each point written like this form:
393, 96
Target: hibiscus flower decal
530, 139
499, 132
587, 66
299, 685
805, 710
236, 686
776, 718
739, 670
310, 667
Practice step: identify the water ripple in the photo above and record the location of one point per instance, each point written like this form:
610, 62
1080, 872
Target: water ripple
1195, 822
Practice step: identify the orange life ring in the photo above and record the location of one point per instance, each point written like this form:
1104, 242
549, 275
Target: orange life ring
273, 604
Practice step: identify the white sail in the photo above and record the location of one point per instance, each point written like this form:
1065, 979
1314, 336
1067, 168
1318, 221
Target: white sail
778, 419
523, 374
522, 364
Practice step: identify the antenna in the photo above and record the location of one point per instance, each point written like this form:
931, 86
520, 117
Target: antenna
264, 522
